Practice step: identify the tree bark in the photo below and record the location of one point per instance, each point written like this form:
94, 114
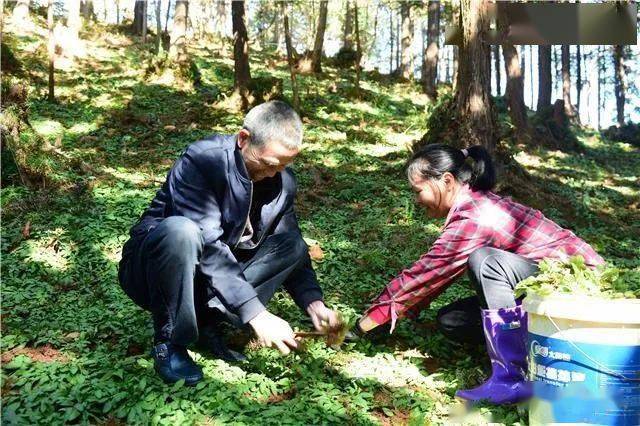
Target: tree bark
87, 10
158, 27
391, 41
20, 11
566, 82
166, 20
515, 90
347, 35
242, 73
73, 18
601, 70
407, 39
358, 48
178, 40
544, 77
139, 17
117, 12
473, 90
51, 50
316, 58
430, 63
144, 22
620, 81
290, 58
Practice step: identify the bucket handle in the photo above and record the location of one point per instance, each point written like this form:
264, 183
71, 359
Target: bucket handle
604, 368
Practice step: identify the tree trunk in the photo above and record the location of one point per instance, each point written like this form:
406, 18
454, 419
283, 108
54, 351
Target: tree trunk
407, 39
566, 82
144, 22
316, 58
600, 72
178, 41
358, 48
515, 90
620, 81
496, 59
139, 17
242, 73
166, 21
557, 70
158, 27
398, 41
430, 62
391, 41
578, 78
51, 50
473, 90
117, 12
290, 58
73, 18
531, 74
20, 11
544, 77
347, 35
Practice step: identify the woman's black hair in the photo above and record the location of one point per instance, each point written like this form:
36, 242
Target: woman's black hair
433, 160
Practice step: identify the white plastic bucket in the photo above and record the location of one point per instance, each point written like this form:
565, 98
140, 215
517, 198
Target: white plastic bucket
584, 360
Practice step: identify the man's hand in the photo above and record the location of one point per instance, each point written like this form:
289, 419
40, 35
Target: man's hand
323, 318
272, 331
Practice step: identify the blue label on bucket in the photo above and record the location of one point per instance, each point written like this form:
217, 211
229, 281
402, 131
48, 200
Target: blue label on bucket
596, 384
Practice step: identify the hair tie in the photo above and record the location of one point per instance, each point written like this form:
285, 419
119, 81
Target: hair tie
465, 152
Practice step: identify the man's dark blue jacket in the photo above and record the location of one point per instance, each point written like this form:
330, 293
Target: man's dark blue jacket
209, 184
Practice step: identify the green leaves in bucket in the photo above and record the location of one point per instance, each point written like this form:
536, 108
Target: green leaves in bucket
573, 276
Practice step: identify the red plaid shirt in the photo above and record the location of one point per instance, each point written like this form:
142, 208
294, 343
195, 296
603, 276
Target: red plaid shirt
477, 219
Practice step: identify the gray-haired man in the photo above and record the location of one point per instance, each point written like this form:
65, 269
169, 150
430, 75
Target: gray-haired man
219, 238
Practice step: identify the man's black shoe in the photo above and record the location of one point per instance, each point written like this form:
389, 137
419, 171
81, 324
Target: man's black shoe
173, 363
211, 341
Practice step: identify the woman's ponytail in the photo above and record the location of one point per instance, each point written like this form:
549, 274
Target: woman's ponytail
483, 173
433, 160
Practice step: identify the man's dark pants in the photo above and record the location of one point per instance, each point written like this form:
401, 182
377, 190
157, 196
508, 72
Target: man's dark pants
162, 276
494, 274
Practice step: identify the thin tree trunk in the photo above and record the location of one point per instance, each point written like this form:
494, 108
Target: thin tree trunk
347, 35
139, 17
398, 40
290, 58
158, 27
242, 73
20, 11
406, 41
515, 89
51, 48
600, 72
430, 63
566, 82
144, 22
178, 40
117, 12
316, 58
531, 74
557, 70
544, 77
497, 71
391, 43
166, 21
578, 78
358, 48
620, 81
473, 87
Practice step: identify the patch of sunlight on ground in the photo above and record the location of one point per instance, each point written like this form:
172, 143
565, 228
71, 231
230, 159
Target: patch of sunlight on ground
389, 371
106, 101
335, 135
364, 107
403, 139
82, 128
49, 250
49, 129
135, 177
528, 160
377, 150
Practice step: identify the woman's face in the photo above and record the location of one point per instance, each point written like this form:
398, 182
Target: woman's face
435, 195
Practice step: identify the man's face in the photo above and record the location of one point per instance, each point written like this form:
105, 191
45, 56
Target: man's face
264, 161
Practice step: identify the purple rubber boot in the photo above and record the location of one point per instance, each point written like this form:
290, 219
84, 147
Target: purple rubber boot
505, 331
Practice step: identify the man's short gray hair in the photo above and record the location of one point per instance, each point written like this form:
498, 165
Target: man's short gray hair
274, 121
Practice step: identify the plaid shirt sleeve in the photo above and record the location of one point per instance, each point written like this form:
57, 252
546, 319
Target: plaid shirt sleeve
432, 273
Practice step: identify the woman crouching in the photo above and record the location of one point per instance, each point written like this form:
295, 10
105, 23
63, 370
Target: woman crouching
498, 241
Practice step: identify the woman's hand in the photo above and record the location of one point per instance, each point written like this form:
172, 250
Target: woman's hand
323, 318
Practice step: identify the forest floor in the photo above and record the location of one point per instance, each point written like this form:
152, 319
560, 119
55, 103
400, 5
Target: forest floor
76, 349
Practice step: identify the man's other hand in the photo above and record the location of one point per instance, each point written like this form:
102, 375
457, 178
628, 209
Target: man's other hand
273, 332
